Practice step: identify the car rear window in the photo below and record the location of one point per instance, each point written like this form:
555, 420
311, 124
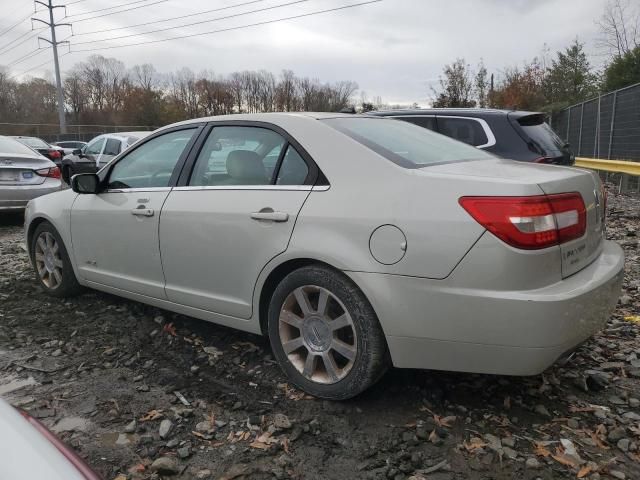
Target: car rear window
34, 142
403, 143
9, 146
539, 132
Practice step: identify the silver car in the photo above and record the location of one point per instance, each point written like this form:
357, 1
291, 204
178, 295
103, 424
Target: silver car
24, 174
353, 242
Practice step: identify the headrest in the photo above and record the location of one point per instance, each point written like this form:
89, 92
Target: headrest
246, 167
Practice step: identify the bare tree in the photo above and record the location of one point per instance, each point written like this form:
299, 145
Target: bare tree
620, 27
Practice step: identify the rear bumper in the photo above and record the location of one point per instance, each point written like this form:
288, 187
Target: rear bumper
16, 197
430, 324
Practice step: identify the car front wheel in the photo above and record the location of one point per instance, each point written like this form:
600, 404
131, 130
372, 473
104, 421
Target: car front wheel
51, 262
325, 334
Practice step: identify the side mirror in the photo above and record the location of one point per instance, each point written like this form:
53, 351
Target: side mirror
78, 152
85, 183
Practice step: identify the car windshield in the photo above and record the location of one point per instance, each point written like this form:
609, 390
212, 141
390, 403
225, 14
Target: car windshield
405, 144
9, 146
33, 142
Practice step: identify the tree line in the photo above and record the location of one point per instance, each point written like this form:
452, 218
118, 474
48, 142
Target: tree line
102, 90
551, 83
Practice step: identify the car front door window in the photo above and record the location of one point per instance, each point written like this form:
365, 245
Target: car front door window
152, 163
95, 147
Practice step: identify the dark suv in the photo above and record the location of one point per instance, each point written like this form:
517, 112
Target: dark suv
517, 135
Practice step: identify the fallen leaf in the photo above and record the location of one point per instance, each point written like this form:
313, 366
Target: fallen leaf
541, 450
260, 445
474, 444
584, 471
151, 415
170, 329
632, 318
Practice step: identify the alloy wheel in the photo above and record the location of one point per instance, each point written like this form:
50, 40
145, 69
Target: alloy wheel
317, 334
48, 260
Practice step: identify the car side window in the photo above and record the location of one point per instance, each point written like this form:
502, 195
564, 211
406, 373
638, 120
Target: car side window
94, 147
424, 122
152, 163
112, 147
466, 130
237, 156
294, 169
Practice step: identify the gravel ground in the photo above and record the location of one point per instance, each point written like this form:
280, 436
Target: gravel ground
144, 393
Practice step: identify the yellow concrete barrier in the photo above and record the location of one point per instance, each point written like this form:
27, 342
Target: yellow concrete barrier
618, 166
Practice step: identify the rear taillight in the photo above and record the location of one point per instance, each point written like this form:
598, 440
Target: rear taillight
53, 172
72, 457
530, 223
543, 160
54, 154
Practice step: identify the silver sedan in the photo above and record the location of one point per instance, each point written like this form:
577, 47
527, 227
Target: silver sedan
24, 174
354, 243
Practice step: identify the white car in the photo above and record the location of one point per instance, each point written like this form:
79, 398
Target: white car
353, 242
98, 152
31, 452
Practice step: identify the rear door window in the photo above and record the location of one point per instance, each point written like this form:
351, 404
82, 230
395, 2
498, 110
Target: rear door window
294, 169
465, 130
424, 122
237, 156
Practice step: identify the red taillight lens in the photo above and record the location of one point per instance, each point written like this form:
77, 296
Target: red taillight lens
53, 172
530, 223
69, 454
54, 153
543, 160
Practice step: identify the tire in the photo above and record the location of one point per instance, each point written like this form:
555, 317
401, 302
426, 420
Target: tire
316, 366
67, 174
63, 283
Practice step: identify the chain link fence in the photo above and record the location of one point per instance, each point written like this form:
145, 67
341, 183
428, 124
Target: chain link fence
604, 127
50, 132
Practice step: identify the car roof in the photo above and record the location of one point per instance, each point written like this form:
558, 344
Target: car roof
272, 117
123, 135
479, 112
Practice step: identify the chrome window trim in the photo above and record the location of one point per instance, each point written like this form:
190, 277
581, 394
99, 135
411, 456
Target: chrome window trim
135, 190
491, 138
295, 188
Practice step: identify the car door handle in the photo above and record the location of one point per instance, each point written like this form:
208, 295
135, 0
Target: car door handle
270, 216
142, 212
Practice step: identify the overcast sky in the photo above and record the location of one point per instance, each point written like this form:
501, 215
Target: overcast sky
394, 49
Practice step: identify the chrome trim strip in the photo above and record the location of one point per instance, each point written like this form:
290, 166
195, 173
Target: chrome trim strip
321, 188
303, 188
491, 138
135, 190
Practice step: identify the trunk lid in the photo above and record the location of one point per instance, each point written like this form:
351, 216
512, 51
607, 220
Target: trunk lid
550, 179
18, 169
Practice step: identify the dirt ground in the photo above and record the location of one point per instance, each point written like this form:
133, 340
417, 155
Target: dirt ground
145, 393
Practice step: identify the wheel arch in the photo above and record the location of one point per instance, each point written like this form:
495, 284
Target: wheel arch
278, 273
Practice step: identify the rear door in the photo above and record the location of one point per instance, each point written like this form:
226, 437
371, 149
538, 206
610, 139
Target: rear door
232, 215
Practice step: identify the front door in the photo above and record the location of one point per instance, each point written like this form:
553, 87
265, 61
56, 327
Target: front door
115, 232
236, 213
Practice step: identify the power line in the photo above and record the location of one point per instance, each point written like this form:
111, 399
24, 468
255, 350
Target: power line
73, 3
273, 7
31, 33
33, 53
197, 14
120, 11
107, 8
14, 25
33, 68
344, 7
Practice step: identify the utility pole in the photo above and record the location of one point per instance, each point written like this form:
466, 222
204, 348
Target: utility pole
54, 45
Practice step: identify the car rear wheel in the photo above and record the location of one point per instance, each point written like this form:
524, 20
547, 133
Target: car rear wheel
325, 334
51, 262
